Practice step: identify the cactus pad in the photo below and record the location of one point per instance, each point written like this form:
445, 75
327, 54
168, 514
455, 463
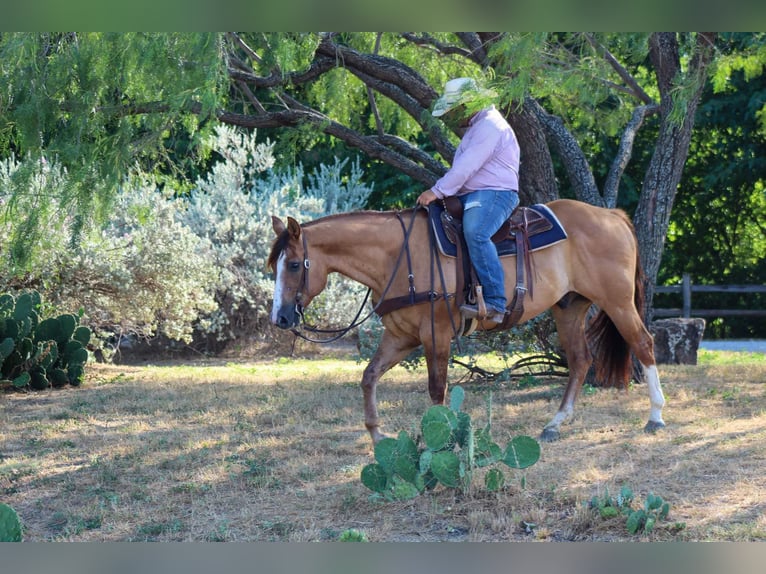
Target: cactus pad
10, 525
446, 468
521, 452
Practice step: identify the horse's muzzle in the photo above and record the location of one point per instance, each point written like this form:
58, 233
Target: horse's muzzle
286, 317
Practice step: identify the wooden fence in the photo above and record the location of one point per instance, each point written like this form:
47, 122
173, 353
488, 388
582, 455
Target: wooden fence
686, 288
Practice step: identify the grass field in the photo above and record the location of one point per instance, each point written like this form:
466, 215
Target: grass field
273, 449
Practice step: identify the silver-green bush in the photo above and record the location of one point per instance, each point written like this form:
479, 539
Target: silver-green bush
173, 263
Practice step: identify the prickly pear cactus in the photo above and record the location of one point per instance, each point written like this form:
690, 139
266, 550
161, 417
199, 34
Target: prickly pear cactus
453, 450
10, 525
39, 354
6, 348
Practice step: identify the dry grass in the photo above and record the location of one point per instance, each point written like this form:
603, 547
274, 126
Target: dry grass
272, 450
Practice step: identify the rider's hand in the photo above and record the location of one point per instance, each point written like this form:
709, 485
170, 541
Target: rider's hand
426, 197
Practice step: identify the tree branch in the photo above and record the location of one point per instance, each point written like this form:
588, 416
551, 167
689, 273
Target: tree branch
629, 80
625, 152
575, 162
371, 94
440, 47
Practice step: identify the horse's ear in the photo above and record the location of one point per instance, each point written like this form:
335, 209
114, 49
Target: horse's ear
277, 224
293, 227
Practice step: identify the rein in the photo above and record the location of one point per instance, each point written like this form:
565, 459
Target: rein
338, 333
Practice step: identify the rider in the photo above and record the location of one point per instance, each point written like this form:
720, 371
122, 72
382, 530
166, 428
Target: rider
484, 176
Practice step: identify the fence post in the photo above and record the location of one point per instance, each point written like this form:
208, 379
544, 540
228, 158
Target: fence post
686, 289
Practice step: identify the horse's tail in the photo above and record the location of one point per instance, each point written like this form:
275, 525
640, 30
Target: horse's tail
611, 352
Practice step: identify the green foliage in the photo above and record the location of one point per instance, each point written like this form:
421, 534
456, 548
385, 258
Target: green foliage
140, 272
722, 195
637, 520
10, 525
186, 263
567, 71
231, 208
39, 353
73, 99
353, 535
453, 449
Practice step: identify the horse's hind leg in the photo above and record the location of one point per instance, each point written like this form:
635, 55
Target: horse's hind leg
631, 328
570, 315
656, 398
390, 351
641, 343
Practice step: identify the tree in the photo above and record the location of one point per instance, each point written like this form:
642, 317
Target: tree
717, 229
565, 94
98, 104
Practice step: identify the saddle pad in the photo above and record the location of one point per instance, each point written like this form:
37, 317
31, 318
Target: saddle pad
507, 246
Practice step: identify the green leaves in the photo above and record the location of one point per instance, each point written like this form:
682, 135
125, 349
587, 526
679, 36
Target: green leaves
375, 477
100, 104
655, 509
446, 468
395, 474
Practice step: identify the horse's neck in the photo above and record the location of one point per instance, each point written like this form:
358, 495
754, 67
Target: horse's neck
363, 246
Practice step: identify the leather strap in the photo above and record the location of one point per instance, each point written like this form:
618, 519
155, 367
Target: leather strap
396, 303
523, 269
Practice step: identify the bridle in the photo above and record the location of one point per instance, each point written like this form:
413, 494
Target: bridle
303, 287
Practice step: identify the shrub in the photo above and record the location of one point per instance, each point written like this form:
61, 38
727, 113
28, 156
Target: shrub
231, 209
141, 272
173, 263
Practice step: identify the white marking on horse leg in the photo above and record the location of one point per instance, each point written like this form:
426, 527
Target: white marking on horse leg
565, 412
656, 398
277, 302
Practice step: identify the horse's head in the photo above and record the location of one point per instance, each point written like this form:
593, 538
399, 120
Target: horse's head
291, 266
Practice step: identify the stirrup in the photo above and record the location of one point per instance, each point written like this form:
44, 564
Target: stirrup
481, 306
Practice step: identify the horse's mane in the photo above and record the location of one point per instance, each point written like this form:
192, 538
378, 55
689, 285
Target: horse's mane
280, 243
353, 215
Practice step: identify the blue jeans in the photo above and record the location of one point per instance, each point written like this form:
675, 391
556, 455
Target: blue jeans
484, 211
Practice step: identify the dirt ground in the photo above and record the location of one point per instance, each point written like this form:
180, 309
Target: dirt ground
272, 450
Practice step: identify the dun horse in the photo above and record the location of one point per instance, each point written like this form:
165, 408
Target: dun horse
597, 264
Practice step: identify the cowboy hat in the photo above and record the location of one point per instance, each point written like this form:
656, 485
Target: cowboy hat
457, 92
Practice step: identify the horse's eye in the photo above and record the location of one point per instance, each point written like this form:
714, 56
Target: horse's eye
294, 265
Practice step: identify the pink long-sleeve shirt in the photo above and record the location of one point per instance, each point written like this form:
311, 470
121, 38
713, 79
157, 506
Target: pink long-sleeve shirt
487, 158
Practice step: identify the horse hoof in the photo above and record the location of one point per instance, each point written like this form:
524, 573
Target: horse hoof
550, 435
653, 426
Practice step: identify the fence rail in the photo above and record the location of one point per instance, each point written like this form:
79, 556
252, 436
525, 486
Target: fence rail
686, 288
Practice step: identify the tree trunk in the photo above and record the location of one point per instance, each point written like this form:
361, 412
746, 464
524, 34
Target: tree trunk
537, 180
663, 175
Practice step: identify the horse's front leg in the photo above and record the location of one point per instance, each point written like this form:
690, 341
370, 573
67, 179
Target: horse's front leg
437, 352
570, 324
391, 350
